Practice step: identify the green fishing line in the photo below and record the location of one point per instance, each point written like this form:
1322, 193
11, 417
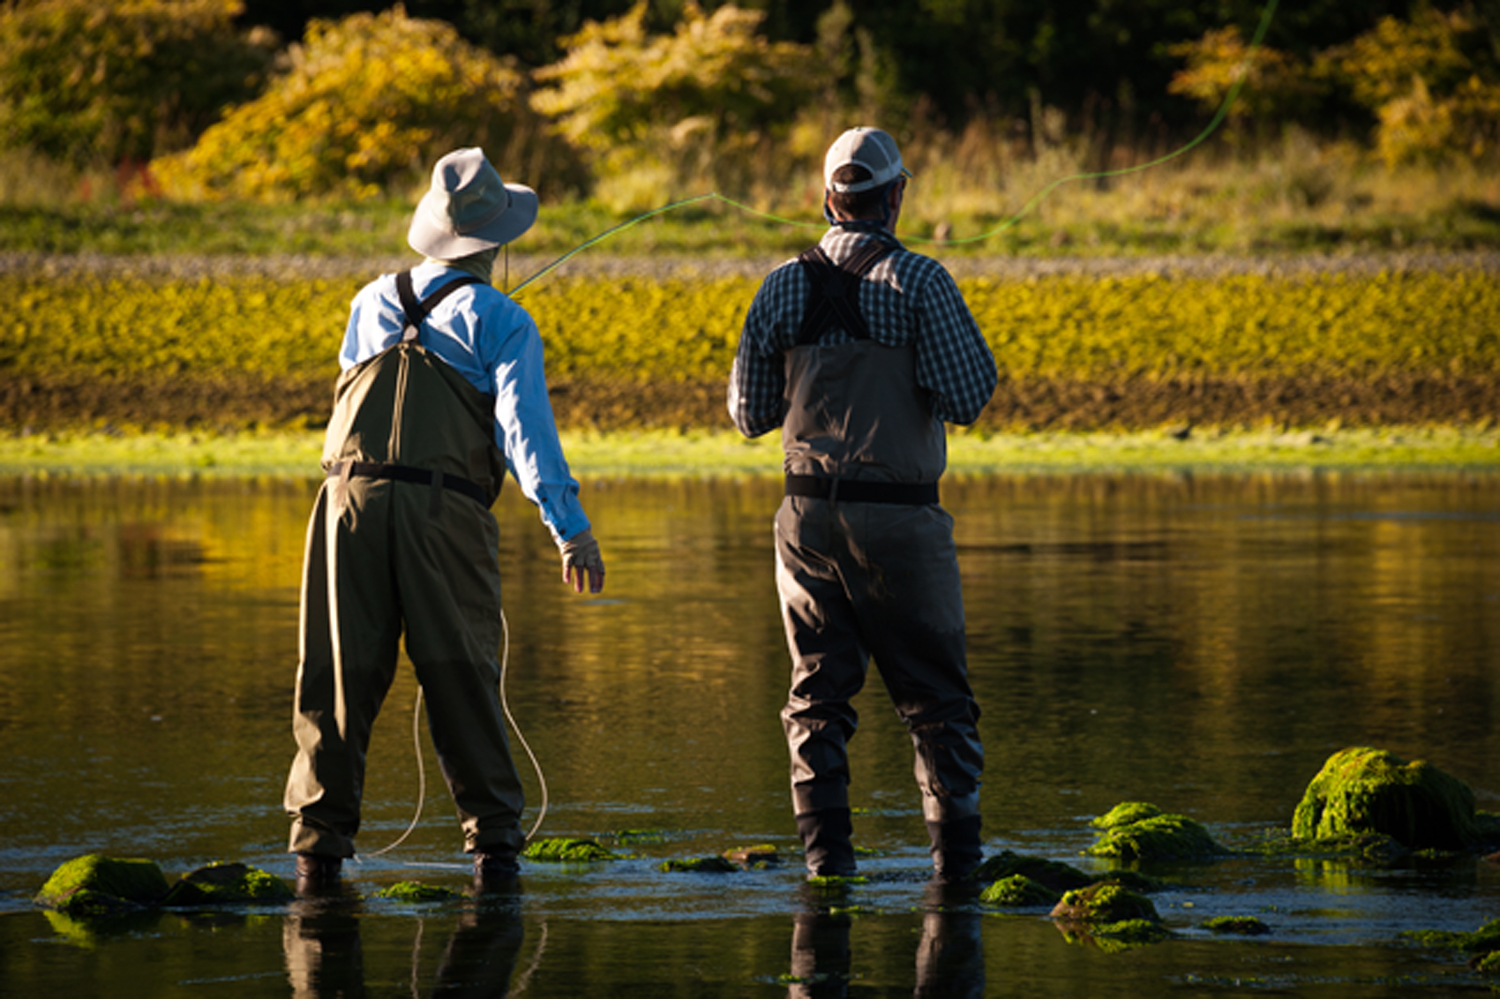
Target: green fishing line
1213, 125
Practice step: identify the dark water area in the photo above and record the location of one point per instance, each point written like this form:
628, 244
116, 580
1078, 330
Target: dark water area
1202, 643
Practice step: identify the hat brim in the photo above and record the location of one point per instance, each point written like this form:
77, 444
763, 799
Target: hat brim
432, 239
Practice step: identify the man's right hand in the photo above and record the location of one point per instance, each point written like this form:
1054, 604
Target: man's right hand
580, 558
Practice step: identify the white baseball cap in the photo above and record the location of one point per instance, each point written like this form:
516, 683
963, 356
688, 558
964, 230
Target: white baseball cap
867, 147
469, 208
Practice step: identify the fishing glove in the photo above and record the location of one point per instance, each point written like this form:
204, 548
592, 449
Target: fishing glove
580, 559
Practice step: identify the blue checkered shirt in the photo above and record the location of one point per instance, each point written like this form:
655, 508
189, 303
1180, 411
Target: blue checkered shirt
907, 299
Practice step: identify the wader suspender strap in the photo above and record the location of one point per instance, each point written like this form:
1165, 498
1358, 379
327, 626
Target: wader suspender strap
835, 290
835, 294
416, 312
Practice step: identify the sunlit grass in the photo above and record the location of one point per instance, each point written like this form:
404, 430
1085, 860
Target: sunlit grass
720, 453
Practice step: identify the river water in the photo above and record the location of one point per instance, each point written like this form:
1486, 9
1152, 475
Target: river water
1202, 643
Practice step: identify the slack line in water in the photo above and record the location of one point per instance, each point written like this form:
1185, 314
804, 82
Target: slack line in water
416, 738
1026, 209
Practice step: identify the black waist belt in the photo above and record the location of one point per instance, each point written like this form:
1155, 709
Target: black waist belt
406, 473
859, 491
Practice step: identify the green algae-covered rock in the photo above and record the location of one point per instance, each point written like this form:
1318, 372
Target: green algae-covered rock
701, 865
566, 850
95, 885
1018, 891
1103, 903
1052, 874
1158, 836
416, 891
1126, 813
1247, 926
225, 884
1364, 790
761, 855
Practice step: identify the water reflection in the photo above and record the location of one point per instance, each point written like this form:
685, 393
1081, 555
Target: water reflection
948, 960
325, 958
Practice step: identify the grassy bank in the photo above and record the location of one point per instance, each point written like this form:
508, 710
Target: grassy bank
722, 453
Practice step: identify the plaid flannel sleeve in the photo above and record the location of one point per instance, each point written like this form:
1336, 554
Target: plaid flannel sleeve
954, 363
757, 382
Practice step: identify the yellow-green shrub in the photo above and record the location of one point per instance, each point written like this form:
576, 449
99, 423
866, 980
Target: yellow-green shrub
368, 103
85, 80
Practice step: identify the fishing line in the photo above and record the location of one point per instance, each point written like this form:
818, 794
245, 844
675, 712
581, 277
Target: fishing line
416, 736
1213, 125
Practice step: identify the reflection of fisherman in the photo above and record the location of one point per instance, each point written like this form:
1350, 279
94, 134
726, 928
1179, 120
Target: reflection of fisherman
324, 958
439, 368
949, 960
859, 350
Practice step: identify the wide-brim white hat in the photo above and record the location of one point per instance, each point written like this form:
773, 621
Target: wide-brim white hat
469, 208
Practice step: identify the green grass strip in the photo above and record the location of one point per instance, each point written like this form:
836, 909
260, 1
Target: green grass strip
666, 454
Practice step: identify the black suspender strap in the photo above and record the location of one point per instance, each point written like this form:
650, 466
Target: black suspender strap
417, 312
835, 290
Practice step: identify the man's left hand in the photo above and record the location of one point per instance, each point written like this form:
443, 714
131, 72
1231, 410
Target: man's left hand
580, 559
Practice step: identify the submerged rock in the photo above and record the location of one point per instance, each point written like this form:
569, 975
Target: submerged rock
754, 857
416, 891
95, 885
1018, 891
567, 850
1363, 790
701, 865
227, 883
1051, 874
1483, 944
1244, 925
1139, 831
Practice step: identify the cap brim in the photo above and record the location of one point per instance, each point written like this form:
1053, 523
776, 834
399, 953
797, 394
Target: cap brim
434, 240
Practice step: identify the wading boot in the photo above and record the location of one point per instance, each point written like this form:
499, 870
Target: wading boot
956, 850
496, 873
825, 838
317, 874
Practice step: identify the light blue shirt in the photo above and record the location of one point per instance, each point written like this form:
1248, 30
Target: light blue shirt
494, 344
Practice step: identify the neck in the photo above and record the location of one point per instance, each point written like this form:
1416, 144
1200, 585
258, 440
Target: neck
481, 264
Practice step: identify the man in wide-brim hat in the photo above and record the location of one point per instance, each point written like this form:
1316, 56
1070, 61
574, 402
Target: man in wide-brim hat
442, 390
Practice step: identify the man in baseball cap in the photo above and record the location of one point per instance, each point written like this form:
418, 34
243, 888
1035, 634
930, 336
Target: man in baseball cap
442, 391
860, 351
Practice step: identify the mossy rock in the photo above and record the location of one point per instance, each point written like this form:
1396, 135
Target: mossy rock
1483, 943
701, 865
417, 892
567, 850
1126, 813
1104, 903
1364, 790
1128, 933
1159, 836
225, 884
761, 855
96, 885
1247, 926
1052, 874
1019, 892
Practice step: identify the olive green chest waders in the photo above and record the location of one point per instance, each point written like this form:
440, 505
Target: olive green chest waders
402, 539
866, 567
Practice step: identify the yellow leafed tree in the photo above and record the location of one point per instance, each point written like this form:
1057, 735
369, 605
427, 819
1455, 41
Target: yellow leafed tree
366, 104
